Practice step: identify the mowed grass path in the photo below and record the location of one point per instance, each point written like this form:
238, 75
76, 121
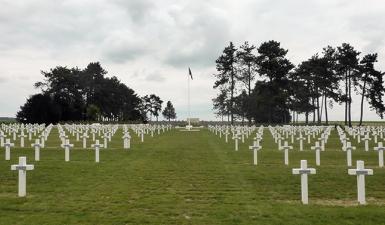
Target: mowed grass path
187, 178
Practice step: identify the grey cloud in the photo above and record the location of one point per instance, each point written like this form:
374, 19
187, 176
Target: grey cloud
155, 77
370, 30
198, 42
136, 9
3, 79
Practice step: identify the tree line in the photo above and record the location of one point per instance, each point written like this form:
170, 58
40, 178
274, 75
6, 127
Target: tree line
73, 94
261, 85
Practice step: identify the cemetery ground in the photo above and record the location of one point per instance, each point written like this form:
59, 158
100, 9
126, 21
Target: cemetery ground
188, 178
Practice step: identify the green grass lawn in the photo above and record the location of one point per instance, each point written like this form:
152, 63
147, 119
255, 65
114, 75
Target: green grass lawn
187, 178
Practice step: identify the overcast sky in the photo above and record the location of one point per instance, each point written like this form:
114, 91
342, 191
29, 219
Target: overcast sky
149, 45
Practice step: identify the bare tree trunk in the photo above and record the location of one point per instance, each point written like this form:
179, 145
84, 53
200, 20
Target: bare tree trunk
307, 117
346, 100
362, 101
318, 115
350, 102
326, 111
248, 100
322, 107
313, 102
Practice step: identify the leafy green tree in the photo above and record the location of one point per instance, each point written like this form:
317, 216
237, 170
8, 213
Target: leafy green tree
301, 90
347, 65
93, 112
226, 76
273, 65
38, 109
247, 66
152, 104
370, 77
241, 106
221, 105
72, 91
169, 111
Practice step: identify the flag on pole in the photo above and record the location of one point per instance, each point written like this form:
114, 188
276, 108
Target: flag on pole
189, 72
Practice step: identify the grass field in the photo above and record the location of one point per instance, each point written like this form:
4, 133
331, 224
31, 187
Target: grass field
187, 178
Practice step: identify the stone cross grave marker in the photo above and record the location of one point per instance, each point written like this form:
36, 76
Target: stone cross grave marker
84, 137
126, 140
97, 147
349, 149
304, 171
255, 147
317, 148
286, 149
360, 172
2, 136
37, 147
8, 146
366, 139
380, 150
67, 147
236, 139
22, 167
301, 139
22, 136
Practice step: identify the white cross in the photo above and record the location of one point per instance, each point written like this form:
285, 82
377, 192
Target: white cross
226, 135
301, 139
142, 135
93, 134
126, 140
8, 146
105, 139
22, 136
97, 147
77, 135
322, 139
304, 171
42, 138
255, 147
286, 149
279, 139
349, 149
366, 139
236, 138
37, 147
67, 146
344, 139
361, 172
14, 135
22, 167
380, 150
317, 149
2, 136
258, 138
63, 138
84, 137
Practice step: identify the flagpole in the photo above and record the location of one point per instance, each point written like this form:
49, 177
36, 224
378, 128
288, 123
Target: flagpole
188, 99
